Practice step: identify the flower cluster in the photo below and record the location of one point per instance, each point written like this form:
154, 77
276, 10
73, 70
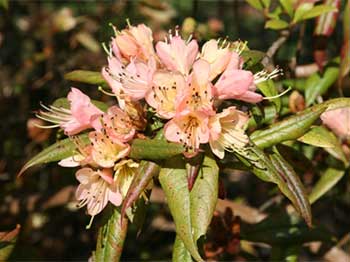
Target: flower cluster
180, 83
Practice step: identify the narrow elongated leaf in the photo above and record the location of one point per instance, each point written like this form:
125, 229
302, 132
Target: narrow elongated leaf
84, 76
276, 24
318, 136
318, 84
111, 237
146, 172
318, 10
56, 152
288, 129
276, 170
287, 6
301, 10
292, 187
345, 51
154, 149
180, 253
192, 211
328, 179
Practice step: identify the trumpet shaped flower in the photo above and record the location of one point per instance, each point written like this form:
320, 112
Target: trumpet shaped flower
177, 54
227, 131
96, 189
106, 152
76, 119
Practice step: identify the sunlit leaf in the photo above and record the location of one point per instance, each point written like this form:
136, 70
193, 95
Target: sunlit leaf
301, 10
192, 210
276, 24
287, 6
111, 236
308, 10
56, 152
288, 129
345, 52
318, 136
256, 4
328, 179
84, 76
180, 253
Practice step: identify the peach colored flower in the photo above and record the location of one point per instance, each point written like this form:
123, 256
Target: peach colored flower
135, 41
133, 80
236, 83
74, 120
117, 125
217, 57
190, 129
106, 152
338, 121
96, 189
124, 174
227, 131
176, 54
166, 92
198, 94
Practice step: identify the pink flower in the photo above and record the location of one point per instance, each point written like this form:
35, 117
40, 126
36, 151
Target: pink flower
190, 129
117, 125
177, 54
198, 94
166, 92
135, 41
236, 83
133, 80
227, 131
76, 119
217, 57
338, 121
106, 152
96, 189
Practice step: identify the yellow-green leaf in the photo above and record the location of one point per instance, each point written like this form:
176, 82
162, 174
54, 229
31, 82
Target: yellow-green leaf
276, 24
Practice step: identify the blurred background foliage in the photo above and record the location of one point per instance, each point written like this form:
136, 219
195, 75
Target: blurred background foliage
40, 41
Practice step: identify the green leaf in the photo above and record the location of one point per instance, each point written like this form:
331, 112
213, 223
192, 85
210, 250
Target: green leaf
281, 230
274, 169
4, 4
146, 172
288, 6
296, 158
7, 242
180, 253
266, 3
328, 179
252, 57
268, 88
256, 4
292, 187
345, 52
318, 10
301, 10
153, 149
63, 102
295, 83
318, 136
275, 14
192, 211
56, 152
84, 76
318, 84
276, 24
111, 237
288, 129
308, 10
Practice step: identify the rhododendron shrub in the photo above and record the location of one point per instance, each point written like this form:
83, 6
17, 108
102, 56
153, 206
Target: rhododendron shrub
178, 110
